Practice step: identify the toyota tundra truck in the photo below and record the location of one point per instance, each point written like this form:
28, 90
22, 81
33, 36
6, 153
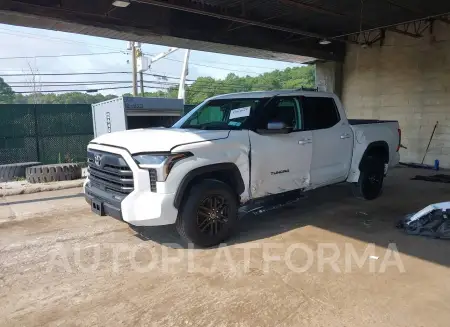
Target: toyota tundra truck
234, 151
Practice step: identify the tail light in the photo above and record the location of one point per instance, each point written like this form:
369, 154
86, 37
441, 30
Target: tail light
399, 139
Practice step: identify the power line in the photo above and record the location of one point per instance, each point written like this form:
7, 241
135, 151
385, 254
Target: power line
89, 84
85, 73
165, 76
239, 65
221, 63
222, 68
88, 90
69, 85
70, 82
205, 85
214, 67
205, 90
21, 33
63, 74
222, 84
226, 88
106, 88
86, 82
195, 83
37, 36
63, 55
150, 74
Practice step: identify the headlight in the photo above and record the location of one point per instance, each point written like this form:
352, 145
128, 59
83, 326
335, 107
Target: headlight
149, 159
163, 163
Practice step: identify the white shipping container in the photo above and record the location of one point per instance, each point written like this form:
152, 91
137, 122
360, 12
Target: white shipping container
125, 113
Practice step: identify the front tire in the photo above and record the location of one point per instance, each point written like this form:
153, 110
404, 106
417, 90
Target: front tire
370, 182
208, 215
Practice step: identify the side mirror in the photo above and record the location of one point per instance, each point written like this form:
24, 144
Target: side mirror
275, 127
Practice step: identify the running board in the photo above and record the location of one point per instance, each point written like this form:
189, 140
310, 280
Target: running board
271, 202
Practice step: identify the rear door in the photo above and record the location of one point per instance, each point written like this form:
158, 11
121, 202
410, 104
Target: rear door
280, 162
333, 140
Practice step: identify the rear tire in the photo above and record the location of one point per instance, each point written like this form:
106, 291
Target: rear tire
208, 215
370, 182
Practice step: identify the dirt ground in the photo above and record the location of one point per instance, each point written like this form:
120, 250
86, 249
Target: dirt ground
62, 265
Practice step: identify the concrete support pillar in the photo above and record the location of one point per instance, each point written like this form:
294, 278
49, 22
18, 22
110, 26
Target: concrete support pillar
329, 77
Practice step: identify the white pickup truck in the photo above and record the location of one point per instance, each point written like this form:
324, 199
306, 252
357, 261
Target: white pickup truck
232, 151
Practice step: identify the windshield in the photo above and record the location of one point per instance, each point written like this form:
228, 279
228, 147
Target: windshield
219, 114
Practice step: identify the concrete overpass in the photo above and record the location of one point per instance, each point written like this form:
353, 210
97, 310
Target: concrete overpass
388, 59
273, 29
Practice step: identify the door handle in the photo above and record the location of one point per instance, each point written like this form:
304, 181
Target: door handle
305, 141
345, 136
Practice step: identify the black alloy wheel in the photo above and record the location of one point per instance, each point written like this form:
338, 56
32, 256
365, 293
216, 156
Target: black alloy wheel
212, 214
373, 183
370, 183
208, 214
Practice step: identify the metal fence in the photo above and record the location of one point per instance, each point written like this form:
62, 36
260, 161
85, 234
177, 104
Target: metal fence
49, 133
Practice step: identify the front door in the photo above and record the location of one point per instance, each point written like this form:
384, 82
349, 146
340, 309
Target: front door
280, 162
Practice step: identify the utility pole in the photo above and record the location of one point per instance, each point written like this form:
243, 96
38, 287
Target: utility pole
184, 73
142, 63
134, 64
142, 83
139, 56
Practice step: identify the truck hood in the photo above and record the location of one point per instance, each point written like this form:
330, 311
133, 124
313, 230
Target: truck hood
157, 139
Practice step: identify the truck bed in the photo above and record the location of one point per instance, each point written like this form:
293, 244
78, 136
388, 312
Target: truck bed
368, 131
369, 121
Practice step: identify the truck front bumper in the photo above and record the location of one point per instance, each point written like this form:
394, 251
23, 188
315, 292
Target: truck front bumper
109, 209
141, 207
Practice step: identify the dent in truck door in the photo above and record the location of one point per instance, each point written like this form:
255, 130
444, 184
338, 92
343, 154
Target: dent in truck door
280, 162
333, 140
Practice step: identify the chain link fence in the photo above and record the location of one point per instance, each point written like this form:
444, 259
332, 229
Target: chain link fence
49, 133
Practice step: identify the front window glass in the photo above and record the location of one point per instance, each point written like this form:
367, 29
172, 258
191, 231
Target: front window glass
220, 114
282, 109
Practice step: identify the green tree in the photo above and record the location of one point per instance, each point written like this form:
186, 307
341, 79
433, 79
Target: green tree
6, 92
63, 98
290, 78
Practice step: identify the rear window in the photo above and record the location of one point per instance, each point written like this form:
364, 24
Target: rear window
319, 113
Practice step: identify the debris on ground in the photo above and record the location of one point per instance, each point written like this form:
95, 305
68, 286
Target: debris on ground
416, 165
23, 187
432, 221
439, 178
367, 222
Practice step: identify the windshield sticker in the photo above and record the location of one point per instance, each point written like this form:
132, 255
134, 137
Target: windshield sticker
234, 123
240, 112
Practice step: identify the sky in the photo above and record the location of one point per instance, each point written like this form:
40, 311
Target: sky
94, 54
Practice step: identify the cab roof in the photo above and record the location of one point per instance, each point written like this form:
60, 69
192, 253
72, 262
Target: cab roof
268, 94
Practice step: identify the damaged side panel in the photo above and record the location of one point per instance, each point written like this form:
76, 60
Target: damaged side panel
279, 163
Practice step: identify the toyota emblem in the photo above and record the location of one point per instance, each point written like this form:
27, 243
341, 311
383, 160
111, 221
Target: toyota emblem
98, 159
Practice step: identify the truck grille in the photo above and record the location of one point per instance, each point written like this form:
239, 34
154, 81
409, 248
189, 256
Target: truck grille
110, 172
